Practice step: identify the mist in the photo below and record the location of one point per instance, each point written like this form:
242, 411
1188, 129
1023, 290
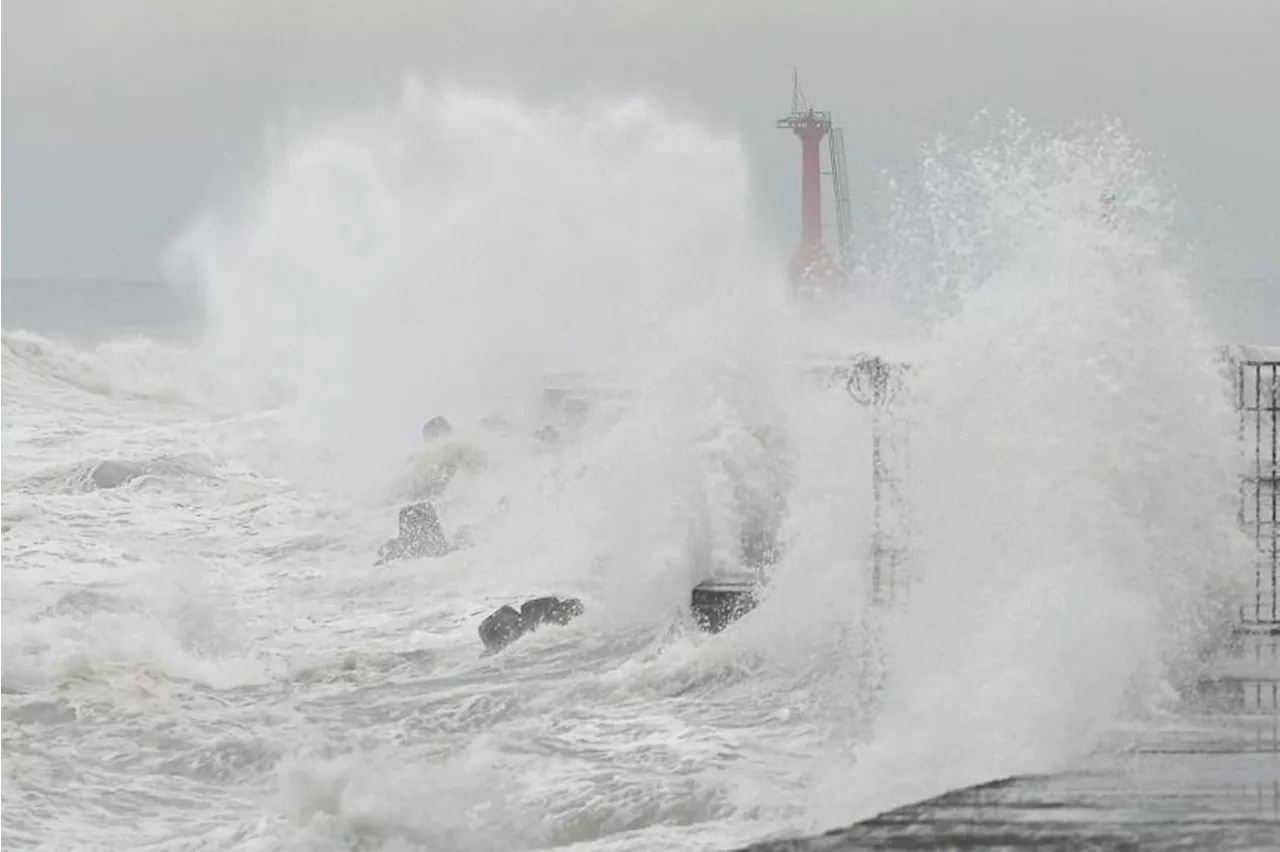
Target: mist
557, 233
127, 119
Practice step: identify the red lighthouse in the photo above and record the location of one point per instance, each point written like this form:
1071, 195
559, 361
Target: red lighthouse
812, 267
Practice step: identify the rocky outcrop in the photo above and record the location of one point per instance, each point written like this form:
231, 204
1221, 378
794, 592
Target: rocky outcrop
539, 611
436, 428
505, 625
501, 628
420, 535
718, 603
117, 473
113, 474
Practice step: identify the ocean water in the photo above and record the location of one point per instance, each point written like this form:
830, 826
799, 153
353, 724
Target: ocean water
199, 653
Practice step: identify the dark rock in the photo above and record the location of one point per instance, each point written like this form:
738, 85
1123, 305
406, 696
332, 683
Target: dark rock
113, 474
391, 549
505, 625
717, 604
501, 628
420, 535
435, 428
539, 611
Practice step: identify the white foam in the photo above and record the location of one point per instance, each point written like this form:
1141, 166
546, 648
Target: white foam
1072, 480
440, 253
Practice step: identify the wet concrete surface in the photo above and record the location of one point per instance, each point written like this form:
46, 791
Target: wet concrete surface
1207, 779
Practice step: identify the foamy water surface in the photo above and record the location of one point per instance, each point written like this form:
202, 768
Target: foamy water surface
200, 653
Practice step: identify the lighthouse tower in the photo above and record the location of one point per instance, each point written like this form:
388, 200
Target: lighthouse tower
812, 268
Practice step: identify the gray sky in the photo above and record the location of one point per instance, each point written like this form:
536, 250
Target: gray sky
124, 119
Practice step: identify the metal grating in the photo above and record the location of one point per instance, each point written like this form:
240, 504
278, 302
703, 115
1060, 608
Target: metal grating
1257, 386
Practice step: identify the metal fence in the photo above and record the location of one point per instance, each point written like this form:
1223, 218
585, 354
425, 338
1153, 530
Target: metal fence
1256, 373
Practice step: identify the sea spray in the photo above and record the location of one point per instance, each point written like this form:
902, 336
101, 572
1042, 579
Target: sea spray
693, 480
1072, 477
444, 251
449, 251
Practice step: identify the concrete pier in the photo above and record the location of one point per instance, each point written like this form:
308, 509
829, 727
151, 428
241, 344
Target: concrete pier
1208, 779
